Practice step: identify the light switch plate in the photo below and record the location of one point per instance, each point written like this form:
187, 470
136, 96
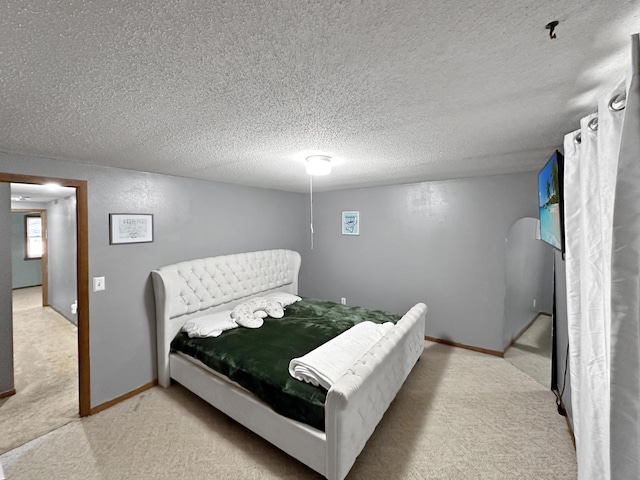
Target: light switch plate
98, 284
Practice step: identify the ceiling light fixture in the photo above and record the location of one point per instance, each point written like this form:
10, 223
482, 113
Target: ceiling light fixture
318, 165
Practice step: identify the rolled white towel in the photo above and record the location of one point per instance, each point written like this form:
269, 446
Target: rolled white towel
245, 313
326, 364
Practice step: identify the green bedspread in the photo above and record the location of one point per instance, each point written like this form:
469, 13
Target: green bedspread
258, 359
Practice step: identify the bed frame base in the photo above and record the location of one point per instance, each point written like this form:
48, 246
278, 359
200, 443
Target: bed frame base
297, 439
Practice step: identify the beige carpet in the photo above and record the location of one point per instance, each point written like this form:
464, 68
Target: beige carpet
460, 415
45, 370
532, 352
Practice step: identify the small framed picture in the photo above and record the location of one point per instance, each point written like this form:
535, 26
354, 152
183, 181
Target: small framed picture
130, 228
351, 223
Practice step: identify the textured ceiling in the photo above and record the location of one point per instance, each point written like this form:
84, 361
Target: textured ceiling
27, 193
242, 91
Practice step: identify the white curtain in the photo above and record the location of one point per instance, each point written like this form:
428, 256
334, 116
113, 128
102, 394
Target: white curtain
625, 292
598, 174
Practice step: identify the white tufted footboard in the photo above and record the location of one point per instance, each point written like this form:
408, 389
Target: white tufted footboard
357, 402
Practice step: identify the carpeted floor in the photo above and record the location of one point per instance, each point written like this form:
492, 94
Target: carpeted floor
460, 415
532, 352
45, 369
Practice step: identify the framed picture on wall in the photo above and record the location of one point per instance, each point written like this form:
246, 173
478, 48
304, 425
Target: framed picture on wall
130, 228
351, 223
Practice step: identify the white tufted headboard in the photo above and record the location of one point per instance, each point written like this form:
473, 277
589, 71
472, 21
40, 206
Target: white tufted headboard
190, 289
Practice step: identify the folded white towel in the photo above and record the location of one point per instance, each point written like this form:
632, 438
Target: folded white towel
326, 364
211, 325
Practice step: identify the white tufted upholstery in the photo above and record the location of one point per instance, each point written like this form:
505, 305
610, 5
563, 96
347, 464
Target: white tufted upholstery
354, 405
189, 289
208, 282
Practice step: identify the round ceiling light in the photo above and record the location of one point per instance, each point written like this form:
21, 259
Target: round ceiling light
318, 165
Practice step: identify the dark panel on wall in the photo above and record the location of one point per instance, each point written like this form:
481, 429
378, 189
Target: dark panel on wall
562, 333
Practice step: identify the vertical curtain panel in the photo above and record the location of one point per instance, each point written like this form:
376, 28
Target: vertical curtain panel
602, 238
625, 292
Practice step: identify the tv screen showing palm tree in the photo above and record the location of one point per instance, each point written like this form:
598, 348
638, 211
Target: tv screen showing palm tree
550, 201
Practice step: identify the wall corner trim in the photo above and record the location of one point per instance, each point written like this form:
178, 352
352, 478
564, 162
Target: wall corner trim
121, 398
8, 393
467, 347
521, 332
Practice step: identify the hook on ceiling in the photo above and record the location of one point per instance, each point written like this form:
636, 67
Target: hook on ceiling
551, 26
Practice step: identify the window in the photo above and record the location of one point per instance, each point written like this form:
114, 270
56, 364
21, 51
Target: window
33, 229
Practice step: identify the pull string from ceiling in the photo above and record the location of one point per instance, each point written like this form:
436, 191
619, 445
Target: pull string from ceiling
316, 165
616, 104
311, 199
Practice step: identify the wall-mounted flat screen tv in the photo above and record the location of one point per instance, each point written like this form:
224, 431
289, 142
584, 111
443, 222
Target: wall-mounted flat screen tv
550, 201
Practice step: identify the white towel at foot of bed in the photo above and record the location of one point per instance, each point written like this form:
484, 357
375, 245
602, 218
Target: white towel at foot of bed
327, 363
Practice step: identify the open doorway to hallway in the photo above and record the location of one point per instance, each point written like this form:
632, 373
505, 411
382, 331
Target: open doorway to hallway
44, 313
78, 272
45, 371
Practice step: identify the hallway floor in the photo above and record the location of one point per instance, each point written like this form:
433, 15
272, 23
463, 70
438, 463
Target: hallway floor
45, 369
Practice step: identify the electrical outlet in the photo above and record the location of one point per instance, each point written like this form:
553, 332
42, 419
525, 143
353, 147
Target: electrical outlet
74, 308
343, 301
534, 303
98, 284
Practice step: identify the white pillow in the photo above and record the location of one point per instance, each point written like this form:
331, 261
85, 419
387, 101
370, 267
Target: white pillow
283, 298
211, 325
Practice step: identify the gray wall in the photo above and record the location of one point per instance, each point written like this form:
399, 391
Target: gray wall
26, 273
562, 333
6, 323
438, 242
442, 243
192, 219
61, 226
529, 277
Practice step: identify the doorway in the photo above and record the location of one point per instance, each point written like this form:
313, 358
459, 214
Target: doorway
82, 277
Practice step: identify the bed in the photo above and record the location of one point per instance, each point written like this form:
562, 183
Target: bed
354, 404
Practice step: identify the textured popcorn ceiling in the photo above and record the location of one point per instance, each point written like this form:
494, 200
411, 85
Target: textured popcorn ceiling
28, 193
242, 91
